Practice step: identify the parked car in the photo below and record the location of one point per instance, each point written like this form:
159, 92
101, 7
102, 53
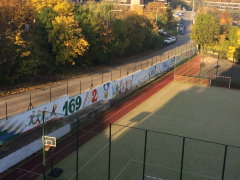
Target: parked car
180, 14
170, 40
177, 14
181, 31
161, 31
182, 21
182, 26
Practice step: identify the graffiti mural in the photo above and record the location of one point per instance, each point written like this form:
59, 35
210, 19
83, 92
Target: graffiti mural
65, 105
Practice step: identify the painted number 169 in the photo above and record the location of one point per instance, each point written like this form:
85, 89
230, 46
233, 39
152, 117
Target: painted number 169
72, 106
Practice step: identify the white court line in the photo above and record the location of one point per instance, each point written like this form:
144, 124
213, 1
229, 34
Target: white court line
155, 178
27, 172
151, 113
123, 169
188, 172
121, 110
91, 159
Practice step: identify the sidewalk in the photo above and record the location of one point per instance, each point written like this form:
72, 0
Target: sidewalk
13, 104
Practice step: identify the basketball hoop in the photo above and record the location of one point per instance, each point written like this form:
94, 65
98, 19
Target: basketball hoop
48, 142
47, 147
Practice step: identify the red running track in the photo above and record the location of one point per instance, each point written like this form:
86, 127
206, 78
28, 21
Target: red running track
190, 68
33, 168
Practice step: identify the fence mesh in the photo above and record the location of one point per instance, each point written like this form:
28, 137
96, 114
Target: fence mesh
127, 150
43, 94
209, 70
163, 157
97, 150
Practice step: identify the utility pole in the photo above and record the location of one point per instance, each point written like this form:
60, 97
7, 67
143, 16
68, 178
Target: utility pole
193, 9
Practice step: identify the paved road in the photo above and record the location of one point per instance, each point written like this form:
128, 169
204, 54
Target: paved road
20, 102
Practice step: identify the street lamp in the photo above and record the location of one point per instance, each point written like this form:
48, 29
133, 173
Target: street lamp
113, 10
157, 12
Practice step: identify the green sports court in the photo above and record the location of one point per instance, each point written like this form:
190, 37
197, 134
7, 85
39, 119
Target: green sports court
183, 131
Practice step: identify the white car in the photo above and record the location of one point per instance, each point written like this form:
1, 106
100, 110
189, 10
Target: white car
177, 14
170, 40
180, 14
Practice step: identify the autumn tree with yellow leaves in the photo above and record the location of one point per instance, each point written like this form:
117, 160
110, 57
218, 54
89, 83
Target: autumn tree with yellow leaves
40, 39
15, 18
64, 32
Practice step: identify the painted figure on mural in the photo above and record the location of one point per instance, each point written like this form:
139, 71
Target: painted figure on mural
152, 72
32, 116
115, 89
128, 85
106, 88
54, 108
39, 114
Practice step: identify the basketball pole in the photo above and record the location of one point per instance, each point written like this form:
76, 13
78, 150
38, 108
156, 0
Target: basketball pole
43, 134
109, 151
77, 144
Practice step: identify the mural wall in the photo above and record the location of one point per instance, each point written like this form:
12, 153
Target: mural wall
65, 105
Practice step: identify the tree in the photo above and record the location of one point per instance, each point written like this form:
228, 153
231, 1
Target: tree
15, 18
120, 42
139, 32
205, 31
64, 32
234, 41
66, 39
237, 55
93, 16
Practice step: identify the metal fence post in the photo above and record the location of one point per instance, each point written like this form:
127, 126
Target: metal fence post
217, 65
183, 146
174, 70
231, 76
127, 70
144, 155
30, 106
52, 153
43, 141
109, 151
102, 78
77, 148
67, 87
92, 82
188, 70
80, 84
50, 91
111, 76
224, 161
6, 110
120, 72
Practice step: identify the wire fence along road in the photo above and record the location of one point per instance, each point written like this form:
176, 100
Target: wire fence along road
21, 102
11, 105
